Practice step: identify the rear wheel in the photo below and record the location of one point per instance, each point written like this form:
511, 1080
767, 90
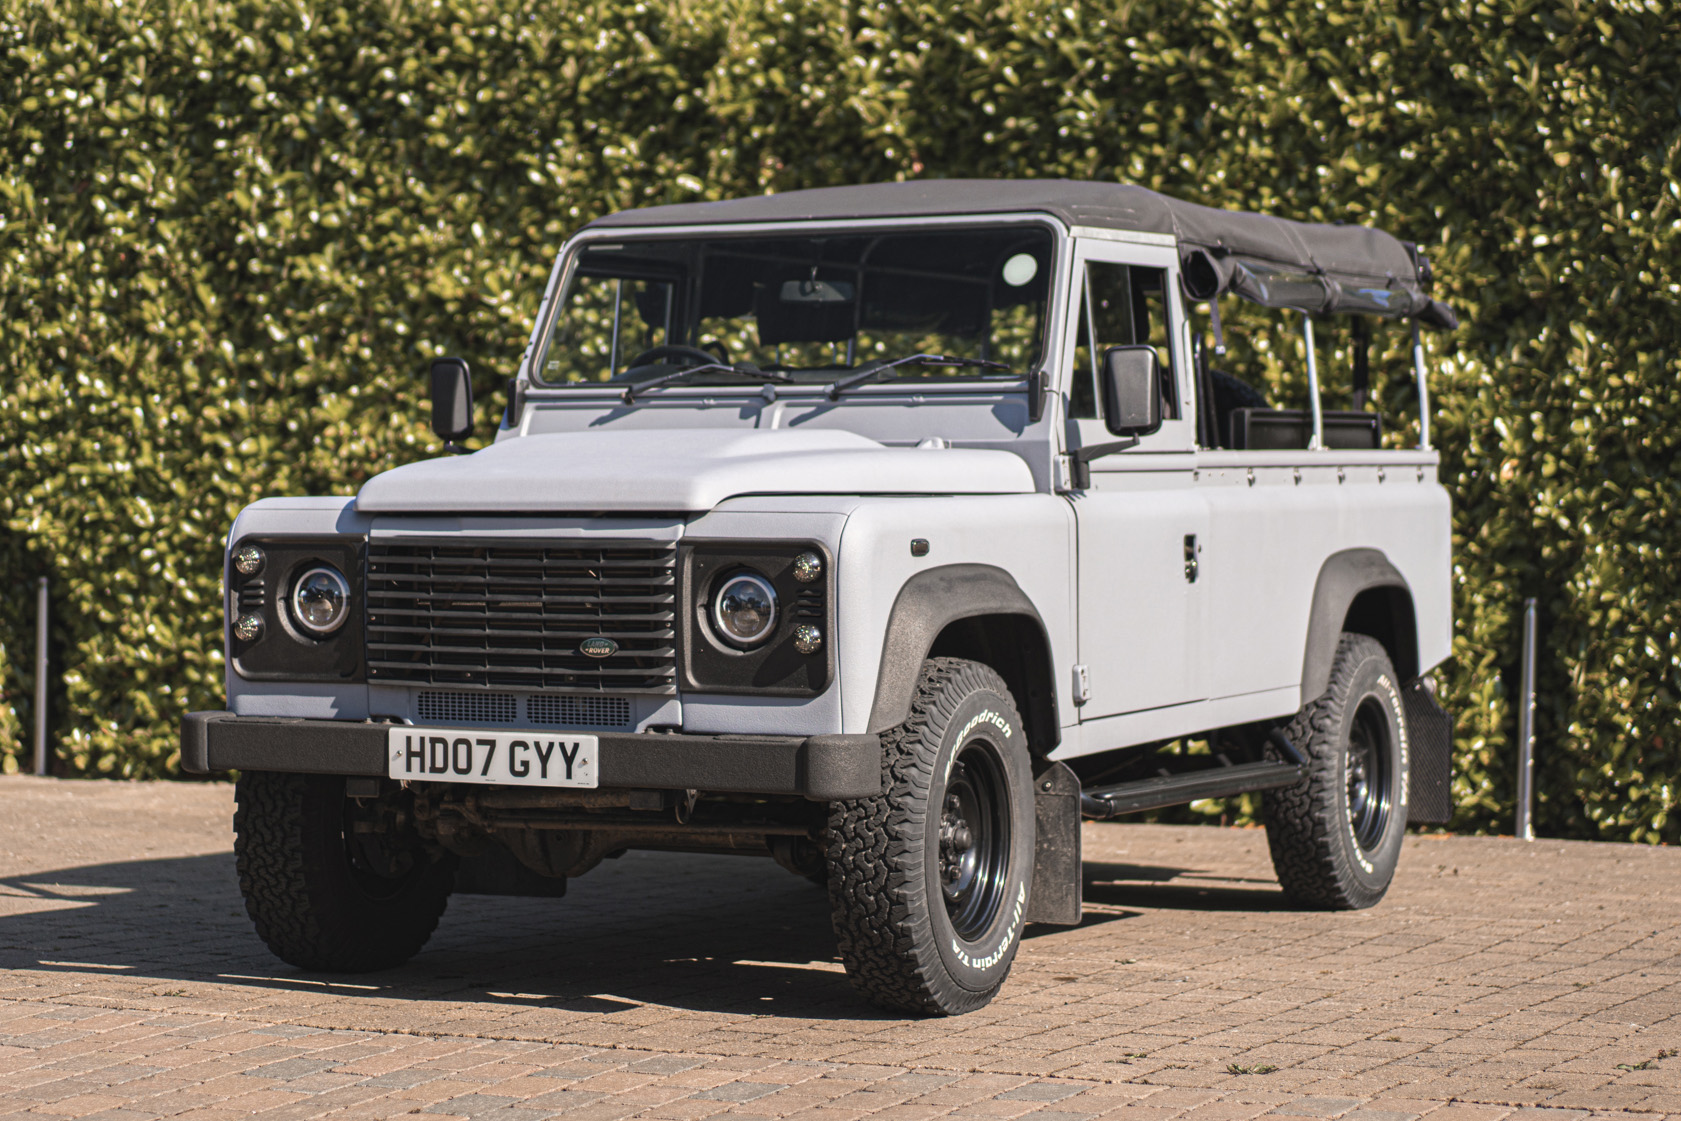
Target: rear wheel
928, 881
1336, 835
332, 884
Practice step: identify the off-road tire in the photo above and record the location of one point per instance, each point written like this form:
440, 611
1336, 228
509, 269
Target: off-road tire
308, 886
898, 936
1327, 853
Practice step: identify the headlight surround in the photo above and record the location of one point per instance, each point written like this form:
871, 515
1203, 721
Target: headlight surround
715, 655
744, 609
268, 639
320, 601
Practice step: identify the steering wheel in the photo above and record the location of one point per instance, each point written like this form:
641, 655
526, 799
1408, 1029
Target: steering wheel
698, 356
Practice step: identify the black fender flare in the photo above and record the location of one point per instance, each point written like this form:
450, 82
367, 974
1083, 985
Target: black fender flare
929, 602
1342, 579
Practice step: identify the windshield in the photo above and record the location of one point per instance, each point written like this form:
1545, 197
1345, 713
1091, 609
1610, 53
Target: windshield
804, 308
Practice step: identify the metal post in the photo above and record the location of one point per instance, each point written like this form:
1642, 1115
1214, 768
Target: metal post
1318, 440
1423, 391
41, 677
1526, 727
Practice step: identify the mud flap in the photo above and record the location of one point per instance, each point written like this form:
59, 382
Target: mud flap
1056, 893
1430, 749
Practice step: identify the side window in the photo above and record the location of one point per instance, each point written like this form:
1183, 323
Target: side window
1150, 321
1123, 305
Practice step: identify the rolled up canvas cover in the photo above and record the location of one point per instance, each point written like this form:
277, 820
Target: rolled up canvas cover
1310, 267
1313, 268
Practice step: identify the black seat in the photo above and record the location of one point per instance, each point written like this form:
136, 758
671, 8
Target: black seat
1230, 394
1291, 429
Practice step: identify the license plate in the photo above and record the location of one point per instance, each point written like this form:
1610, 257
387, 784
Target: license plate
494, 758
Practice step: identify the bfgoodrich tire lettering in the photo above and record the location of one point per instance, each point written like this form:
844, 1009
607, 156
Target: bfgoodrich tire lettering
928, 881
1336, 835
323, 896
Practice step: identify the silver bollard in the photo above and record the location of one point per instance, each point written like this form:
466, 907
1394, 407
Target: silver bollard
41, 677
1526, 728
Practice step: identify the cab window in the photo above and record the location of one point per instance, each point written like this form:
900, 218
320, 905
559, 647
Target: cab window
1122, 305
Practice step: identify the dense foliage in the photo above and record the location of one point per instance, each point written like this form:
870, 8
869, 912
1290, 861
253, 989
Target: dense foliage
231, 234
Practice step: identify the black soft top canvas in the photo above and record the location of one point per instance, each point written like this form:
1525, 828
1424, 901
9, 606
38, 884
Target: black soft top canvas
1273, 261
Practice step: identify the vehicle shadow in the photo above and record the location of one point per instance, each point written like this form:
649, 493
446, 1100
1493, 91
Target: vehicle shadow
700, 932
1179, 889
710, 933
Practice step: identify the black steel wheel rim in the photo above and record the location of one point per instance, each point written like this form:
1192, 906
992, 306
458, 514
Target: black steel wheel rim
974, 840
1370, 779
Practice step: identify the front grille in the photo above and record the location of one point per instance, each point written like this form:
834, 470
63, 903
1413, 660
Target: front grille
555, 710
567, 709
510, 614
476, 708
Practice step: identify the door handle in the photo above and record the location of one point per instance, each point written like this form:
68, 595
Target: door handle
1191, 558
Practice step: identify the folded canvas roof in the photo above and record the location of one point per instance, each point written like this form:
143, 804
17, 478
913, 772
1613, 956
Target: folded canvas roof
1277, 262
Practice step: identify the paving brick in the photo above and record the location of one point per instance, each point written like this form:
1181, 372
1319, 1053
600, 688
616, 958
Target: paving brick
739, 1091
1041, 1092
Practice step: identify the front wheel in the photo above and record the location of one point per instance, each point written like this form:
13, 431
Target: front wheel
928, 881
331, 884
1336, 835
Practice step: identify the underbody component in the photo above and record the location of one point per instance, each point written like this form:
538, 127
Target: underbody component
1105, 802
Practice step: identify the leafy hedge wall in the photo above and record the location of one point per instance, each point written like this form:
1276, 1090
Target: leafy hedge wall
231, 235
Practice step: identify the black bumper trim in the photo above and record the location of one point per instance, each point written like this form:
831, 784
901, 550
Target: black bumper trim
822, 768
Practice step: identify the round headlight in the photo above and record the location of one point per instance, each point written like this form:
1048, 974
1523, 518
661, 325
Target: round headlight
321, 601
744, 609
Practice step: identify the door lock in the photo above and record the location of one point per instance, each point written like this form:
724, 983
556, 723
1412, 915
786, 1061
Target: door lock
1191, 557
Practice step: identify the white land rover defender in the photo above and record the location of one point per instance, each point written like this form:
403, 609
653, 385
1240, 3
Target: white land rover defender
887, 531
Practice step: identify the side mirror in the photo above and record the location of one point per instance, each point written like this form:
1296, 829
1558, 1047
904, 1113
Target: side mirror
452, 402
1132, 396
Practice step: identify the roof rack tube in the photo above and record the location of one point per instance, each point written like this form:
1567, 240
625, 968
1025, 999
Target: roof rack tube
1318, 441
1423, 390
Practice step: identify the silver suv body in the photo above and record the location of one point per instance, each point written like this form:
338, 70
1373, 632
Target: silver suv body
884, 530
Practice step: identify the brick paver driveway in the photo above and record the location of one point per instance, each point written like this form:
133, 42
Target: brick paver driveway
1496, 976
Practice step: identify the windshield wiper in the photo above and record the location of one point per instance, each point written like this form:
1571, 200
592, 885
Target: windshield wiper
873, 373
678, 375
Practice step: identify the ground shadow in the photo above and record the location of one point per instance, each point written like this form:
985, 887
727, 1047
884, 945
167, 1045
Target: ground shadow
709, 933
1179, 889
701, 932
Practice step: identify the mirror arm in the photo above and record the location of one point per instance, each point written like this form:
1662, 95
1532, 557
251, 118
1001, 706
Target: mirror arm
1082, 458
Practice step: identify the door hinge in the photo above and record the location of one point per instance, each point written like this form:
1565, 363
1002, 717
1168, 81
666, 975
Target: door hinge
1082, 685
1191, 552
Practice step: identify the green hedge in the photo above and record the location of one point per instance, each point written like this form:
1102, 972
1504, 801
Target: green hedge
231, 235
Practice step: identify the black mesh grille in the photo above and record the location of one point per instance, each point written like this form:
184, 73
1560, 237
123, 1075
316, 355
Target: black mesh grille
510, 614
603, 712
476, 708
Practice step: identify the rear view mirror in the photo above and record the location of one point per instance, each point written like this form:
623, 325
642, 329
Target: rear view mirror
452, 401
817, 292
1132, 397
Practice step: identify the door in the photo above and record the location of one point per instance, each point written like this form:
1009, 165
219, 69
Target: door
1140, 520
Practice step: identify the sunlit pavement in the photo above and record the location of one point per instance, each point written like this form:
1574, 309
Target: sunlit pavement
1497, 978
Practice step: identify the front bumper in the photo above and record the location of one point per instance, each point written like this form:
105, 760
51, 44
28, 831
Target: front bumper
821, 768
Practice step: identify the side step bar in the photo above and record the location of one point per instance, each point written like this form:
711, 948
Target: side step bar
1105, 802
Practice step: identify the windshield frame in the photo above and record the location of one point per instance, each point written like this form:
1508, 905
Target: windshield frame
571, 253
